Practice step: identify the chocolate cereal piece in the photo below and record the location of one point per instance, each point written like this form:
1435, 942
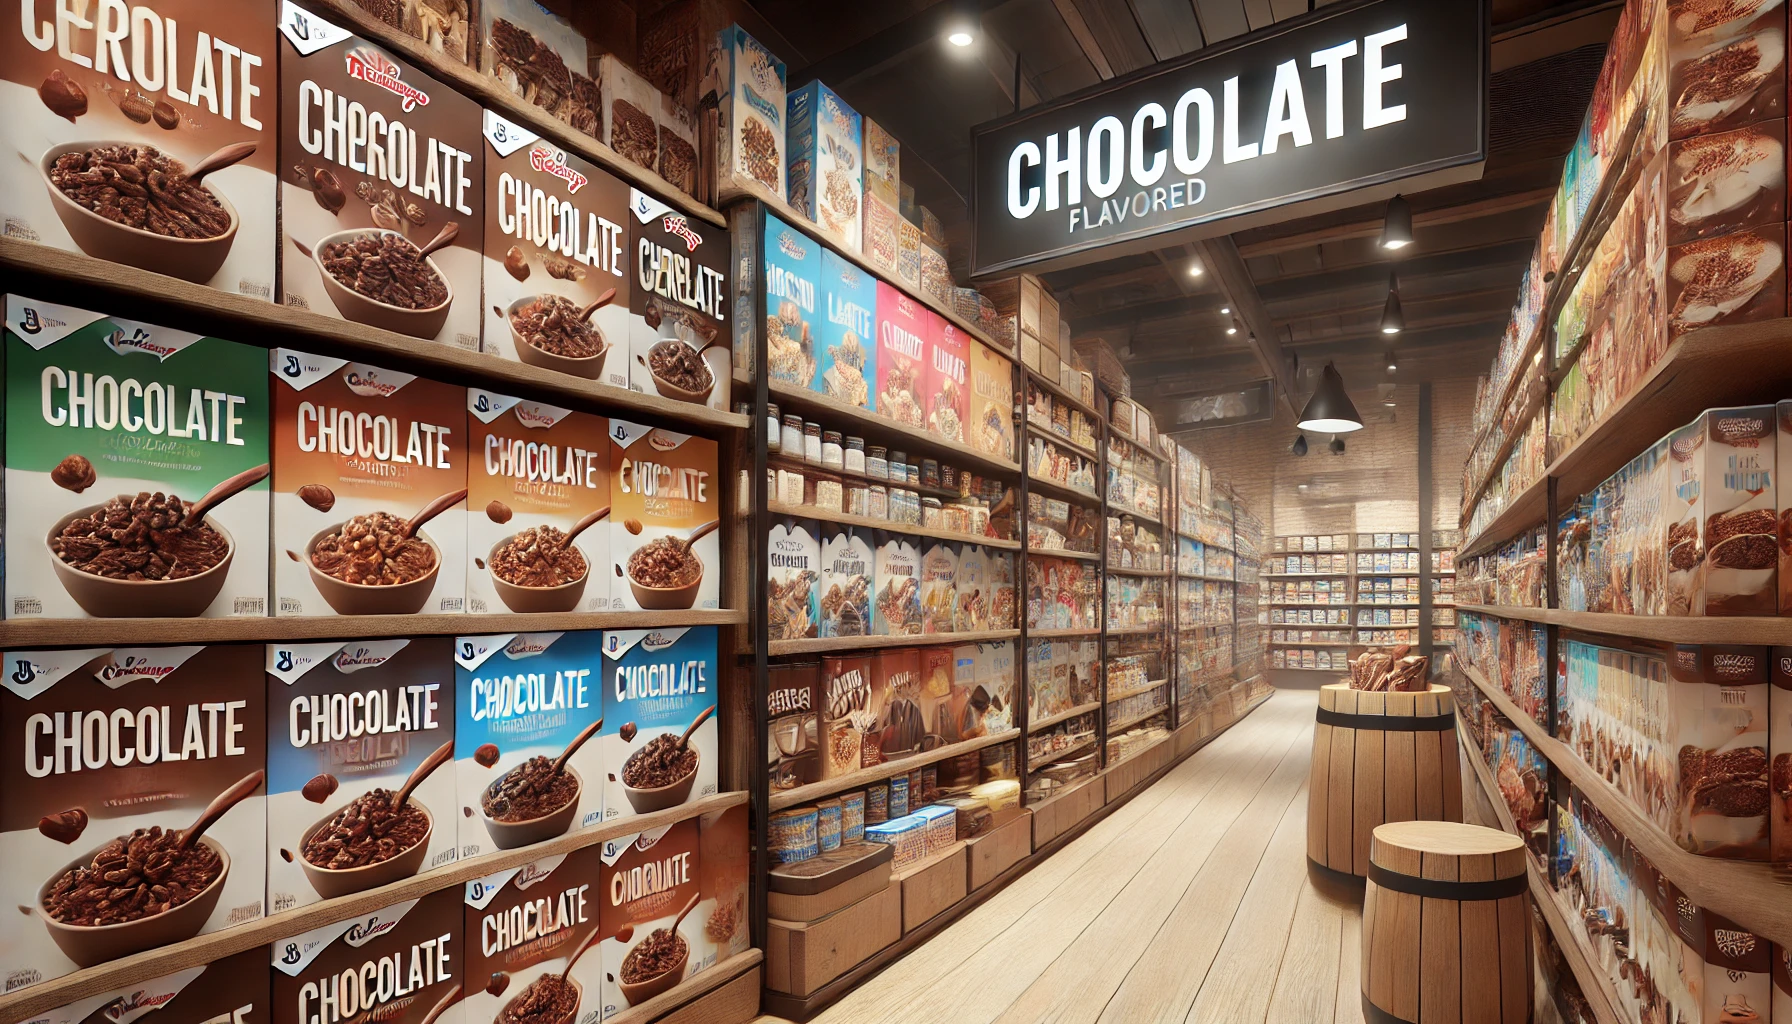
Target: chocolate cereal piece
551, 323
546, 1000
658, 953
538, 557
497, 512
499, 981
662, 762
516, 263
318, 497
367, 831
319, 788
140, 187
385, 267
165, 115
531, 790
141, 538
371, 550
63, 95
627, 732
63, 826
132, 877
74, 473
486, 755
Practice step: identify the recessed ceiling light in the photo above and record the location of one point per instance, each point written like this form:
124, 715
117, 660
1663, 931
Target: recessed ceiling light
1231, 330
1194, 270
1300, 487
1225, 310
960, 38
1396, 227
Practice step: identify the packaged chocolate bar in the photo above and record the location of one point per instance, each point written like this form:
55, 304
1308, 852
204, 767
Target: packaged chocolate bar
793, 704
848, 717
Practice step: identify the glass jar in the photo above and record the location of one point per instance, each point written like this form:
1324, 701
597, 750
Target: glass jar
898, 467
792, 442
948, 477
855, 456
774, 434
812, 442
833, 453
856, 491
877, 463
827, 492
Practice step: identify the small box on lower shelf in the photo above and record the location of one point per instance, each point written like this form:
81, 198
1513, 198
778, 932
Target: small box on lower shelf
1000, 847
932, 886
812, 889
801, 957
1059, 814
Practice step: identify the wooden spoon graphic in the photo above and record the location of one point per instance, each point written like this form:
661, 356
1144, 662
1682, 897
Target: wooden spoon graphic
448, 234
447, 1000
590, 940
222, 802
698, 534
585, 524
226, 488
602, 300
220, 159
436, 759
688, 907
577, 742
685, 740
430, 511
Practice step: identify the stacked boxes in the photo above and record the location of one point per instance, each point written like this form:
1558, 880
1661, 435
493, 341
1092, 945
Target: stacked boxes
750, 141
527, 934
824, 166
646, 883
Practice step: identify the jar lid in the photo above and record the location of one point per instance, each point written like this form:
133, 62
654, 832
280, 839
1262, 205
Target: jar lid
930, 503
793, 420
877, 451
855, 442
771, 409
811, 427
830, 436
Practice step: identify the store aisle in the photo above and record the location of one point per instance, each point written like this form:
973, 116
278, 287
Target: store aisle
1189, 903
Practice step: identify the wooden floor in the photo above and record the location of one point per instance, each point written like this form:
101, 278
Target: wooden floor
1188, 903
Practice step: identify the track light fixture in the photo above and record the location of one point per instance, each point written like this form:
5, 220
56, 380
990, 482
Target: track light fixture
1330, 410
1389, 359
1337, 445
1393, 318
1396, 227
962, 24
1299, 448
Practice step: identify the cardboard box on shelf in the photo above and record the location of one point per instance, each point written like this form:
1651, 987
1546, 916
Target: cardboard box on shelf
536, 473
824, 169
931, 228
1739, 512
847, 712
359, 450
793, 577
77, 794
794, 701
1779, 749
533, 55
1783, 502
506, 740
946, 385
908, 254
1722, 183
990, 423
418, 939
218, 232
847, 562
631, 113
880, 239
724, 865
664, 508
679, 305
538, 265
896, 602
347, 724
528, 934
748, 82
936, 281
647, 880
233, 988
883, 165
792, 262
444, 26
660, 741
801, 957
1728, 279
904, 328
846, 368
679, 142
1700, 54
339, 211
83, 458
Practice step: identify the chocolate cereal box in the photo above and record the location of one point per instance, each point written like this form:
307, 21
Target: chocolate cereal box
112, 422
556, 240
648, 881
990, 426
347, 725
538, 505
381, 187
793, 576
750, 137
359, 453
400, 964
847, 367
664, 506
231, 990
679, 302
660, 748
527, 763
531, 941
845, 588
792, 291
97, 95
724, 864
946, 396
115, 752
903, 327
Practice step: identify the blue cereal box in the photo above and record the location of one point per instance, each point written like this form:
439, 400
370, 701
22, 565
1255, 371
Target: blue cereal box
847, 364
792, 293
660, 748
824, 172
521, 701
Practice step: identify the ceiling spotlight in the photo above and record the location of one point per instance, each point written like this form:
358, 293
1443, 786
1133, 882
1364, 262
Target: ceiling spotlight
1299, 448
1396, 227
1337, 445
962, 22
1300, 487
1389, 402
1194, 270
1225, 310
1330, 410
1232, 330
1392, 365
1393, 318
961, 38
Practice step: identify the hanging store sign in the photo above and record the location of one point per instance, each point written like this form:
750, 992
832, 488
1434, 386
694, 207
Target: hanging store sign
1347, 100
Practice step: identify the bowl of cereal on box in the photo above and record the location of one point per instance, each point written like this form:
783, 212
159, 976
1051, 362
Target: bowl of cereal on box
556, 333
664, 574
676, 363
657, 962
375, 839
146, 555
377, 563
382, 279
535, 800
539, 569
662, 772
134, 204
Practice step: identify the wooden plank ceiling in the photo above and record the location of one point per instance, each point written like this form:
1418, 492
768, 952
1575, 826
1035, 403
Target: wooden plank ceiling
1312, 288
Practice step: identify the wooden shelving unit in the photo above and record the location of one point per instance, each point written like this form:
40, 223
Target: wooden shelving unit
1702, 629
790, 397
1064, 716
778, 508
870, 643
1081, 556
1055, 489
877, 773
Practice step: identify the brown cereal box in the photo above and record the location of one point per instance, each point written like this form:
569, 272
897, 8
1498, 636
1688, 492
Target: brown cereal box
232, 990
723, 869
161, 85
990, 418
679, 301
556, 239
848, 715
396, 965
378, 162
1783, 502
648, 879
793, 706
359, 448
1779, 753
946, 394
530, 935
536, 473
1740, 512
663, 495
896, 697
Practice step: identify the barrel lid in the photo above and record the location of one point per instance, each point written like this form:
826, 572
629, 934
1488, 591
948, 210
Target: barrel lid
1445, 838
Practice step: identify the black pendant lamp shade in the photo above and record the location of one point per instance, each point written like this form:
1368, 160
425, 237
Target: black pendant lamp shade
1396, 227
1330, 410
1393, 318
1299, 448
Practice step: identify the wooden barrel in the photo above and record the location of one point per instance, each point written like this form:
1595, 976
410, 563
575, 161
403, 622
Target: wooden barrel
1377, 757
1446, 929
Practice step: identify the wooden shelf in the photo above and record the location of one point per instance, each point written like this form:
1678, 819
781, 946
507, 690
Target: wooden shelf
19, 633
203, 949
1303, 575
1127, 723
1210, 579
824, 645
39, 270
1058, 391
1053, 488
1037, 431
744, 190
1116, 509
791, 397
1311, 643
1749, 894
1063, 716
1135, 630
1154, 684
1703, 629
1061, 634
1125, 571
810, 512
877, 773
1085, 556
1061, 754
488, 93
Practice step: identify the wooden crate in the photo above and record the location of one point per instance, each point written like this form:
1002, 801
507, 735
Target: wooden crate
1059, 814
1000, 848
801, 957
932, 886
733, 1003
815, 906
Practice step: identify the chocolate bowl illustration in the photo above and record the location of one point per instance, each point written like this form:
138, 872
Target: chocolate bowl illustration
661, 773
90, 928
536, 800
187, 226
676, 363
551, 998
147, 555
382, 279
539, 570
555, 333
664, 574
656, 963
377, 838
378, 564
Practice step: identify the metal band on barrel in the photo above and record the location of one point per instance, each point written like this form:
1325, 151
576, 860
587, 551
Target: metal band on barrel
1388, 723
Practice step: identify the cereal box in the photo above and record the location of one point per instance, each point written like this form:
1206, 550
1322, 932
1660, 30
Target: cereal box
531, 934
847, 367
347, 725
793, 705
896, 587
679, 300
970, 611
939, 667
749, 83
903, 329
1740, 512
556, 240
824, 173
401, 964
1685, 520
630, 106
663, 515
648, 880
939, 587
535, 56
792, 286
846, 568
233, 989
896, 698
358, 452
660, 747
994, 691
187, 725
357, 214
523, 702
1783, 502
111, 422
793, 574
946, 395
186, 79
1001, 589
848, 716
881, 233
724, 865
537, 475
1779, 749
883, 165
990, 422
